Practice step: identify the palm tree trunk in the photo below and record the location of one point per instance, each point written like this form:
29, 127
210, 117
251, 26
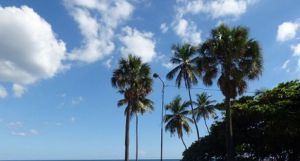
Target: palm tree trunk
193, 113
183, 143
136, 137
127, 126
206, 125
229, 133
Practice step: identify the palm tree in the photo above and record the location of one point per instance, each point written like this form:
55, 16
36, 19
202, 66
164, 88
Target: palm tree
230, 54
204, 108
186, 60
133, 79
140, 106
178, 120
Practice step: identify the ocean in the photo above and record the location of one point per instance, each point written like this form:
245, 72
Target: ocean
100, 160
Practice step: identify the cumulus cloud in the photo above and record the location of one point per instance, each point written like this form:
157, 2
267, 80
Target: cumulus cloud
29, 49
97, 21
138, 43
3, 92
215, 8
287, 31
187, 31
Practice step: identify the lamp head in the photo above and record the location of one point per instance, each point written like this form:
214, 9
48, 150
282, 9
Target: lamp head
155, 75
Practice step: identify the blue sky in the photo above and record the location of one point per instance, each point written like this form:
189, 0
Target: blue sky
57, 58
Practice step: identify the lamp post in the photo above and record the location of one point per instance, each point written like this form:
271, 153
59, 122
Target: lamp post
155, 75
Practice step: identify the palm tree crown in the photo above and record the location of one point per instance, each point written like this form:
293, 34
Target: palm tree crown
186, 60
204, 108
231, 53
178, 121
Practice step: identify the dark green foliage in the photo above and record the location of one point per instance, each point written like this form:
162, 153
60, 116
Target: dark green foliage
266, 126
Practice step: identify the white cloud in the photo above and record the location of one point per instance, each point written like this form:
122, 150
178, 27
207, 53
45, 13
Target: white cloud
15, 125
77, 100
30, 132
287, 31
138, 43
18, 90
34, 132
97, 21
18, 133
164, 27
29, 49
214, 8
285, 66
3, 92
298, 68
234, 8
296, 53
296, 49
187, 31
108, 63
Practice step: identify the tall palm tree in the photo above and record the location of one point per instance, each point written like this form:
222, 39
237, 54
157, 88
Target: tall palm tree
204, 108
185, 60
140, 106
133, 79
230, 54
178, 120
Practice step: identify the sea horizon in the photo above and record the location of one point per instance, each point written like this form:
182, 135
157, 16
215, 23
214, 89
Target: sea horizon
87, 160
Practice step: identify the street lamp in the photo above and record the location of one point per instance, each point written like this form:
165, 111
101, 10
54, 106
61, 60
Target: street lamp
155, 75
